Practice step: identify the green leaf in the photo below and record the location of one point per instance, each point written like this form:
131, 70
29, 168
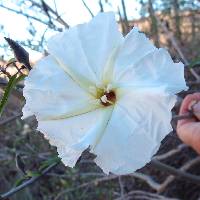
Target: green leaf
48, 162
195, 62
11, 84
20, 181
32, 174
20, 78
6, 94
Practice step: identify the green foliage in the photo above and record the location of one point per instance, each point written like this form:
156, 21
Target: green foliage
195, 62
49, 162
31, 174
11, 84
28, 175
20, 181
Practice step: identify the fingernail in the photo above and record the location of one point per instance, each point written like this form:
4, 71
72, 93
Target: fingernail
191, 104
196, 110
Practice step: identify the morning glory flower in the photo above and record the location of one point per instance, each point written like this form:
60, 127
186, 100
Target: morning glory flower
102, 91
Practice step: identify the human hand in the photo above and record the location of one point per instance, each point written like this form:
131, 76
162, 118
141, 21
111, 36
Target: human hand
188, 130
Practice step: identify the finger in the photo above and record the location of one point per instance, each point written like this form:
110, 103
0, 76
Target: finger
189, 133
196, 110
188, 100
186, 105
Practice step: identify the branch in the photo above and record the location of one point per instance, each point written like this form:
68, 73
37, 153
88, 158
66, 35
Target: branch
121, 185
125, 16
184, 116
176, 172
9, 119
101, 6
192, 83
121, 22
58, 17
160, 187
24, 14
153, 184
176, 46
171, 153
170, 178
88, 184
138, 194
28, 182
86, 6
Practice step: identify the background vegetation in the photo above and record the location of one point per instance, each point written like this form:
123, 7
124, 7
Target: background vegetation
29, 167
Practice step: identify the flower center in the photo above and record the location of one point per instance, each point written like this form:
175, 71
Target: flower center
105, 94
108, 98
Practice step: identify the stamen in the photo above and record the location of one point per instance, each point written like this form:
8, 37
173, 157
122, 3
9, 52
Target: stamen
105, 95
108, 98
104, 99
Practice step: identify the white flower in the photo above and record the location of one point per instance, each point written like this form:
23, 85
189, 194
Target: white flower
100, 90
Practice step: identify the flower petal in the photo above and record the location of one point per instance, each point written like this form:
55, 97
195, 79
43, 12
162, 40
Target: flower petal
136, 45
84, 50
73, 135
51, 94
140, 120
155, 69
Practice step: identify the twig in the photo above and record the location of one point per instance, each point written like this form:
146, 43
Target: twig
184, 116
58, 17
121, 187
143, 195
176, 172
55, 6
46, 11
125, 18
190, 91
160, 187
153, 184
28, 182
121, 22
5, 121
101, 6
24, 14
89, 174
94, 182
86, 6
178, 49
170, 178
191, 83
170, 153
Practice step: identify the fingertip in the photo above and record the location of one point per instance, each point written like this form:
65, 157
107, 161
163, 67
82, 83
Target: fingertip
188, 101
185, 133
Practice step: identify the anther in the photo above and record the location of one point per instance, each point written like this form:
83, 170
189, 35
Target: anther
108, 98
